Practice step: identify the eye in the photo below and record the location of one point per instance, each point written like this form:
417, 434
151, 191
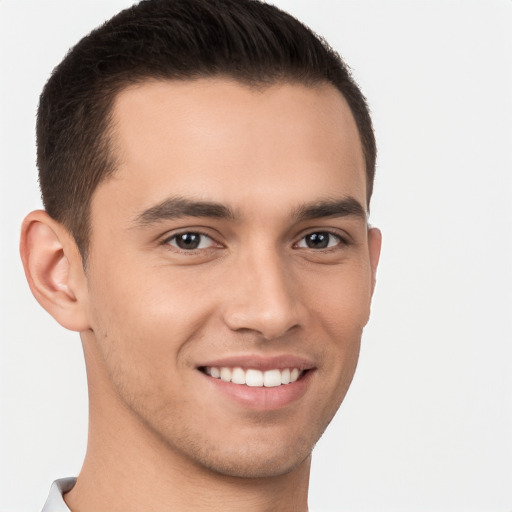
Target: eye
190, 241
320, 240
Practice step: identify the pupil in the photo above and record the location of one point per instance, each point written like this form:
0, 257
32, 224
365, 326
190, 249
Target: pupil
317, 240
188, 241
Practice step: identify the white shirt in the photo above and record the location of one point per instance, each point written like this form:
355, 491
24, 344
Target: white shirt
55, 501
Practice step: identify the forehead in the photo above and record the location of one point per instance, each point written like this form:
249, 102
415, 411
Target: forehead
217, 139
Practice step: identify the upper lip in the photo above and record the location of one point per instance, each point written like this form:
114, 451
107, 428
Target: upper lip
259, 362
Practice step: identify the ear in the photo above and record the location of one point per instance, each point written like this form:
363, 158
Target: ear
374, 246
54, 271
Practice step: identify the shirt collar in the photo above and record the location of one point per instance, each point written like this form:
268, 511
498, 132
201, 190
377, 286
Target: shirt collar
55, 501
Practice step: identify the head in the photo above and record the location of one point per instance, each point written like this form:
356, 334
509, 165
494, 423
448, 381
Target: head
212, 163
245, 40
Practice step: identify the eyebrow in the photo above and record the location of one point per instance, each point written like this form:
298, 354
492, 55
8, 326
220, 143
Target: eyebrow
178, 207
344, 207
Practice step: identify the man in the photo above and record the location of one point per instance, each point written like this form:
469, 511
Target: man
206, 168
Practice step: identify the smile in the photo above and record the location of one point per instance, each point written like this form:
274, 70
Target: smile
259, 383
252, 377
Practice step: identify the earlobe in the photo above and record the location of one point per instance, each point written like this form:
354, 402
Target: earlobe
374, 247
53, 268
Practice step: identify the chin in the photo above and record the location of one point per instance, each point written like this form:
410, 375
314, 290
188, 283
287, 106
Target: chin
256, 459
269, 468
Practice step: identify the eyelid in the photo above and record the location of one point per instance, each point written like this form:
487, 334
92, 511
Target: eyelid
166, 239
343, 236
340, 242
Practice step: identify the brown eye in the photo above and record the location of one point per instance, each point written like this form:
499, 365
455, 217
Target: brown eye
190, 241
319, 240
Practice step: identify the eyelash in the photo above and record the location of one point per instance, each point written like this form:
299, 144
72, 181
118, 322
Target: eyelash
168, 240
342, 241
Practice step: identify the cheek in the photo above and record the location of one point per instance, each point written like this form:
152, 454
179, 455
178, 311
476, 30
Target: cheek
144, 319
341, 299
340, 305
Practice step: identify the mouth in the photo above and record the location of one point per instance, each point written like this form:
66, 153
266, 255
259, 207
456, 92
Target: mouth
259, 383
253, 377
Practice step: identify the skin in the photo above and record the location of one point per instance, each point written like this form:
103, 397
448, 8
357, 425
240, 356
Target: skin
150, 312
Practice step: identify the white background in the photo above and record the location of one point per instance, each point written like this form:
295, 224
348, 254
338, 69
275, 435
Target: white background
427, 424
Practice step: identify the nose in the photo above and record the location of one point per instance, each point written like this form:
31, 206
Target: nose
263, 297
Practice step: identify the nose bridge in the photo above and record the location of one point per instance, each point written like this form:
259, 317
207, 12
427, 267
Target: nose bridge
263, 297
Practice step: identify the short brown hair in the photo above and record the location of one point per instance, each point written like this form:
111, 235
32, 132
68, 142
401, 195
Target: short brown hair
247, 40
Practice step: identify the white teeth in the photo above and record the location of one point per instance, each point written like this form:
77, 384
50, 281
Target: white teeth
225, 374
238, 376
272, 378
252, 377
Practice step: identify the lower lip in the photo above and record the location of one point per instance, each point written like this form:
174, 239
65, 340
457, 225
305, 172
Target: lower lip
262, 398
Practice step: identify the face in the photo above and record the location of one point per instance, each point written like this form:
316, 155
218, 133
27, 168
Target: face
231, 268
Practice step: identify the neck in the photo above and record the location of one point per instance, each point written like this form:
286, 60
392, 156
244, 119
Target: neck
128, 467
